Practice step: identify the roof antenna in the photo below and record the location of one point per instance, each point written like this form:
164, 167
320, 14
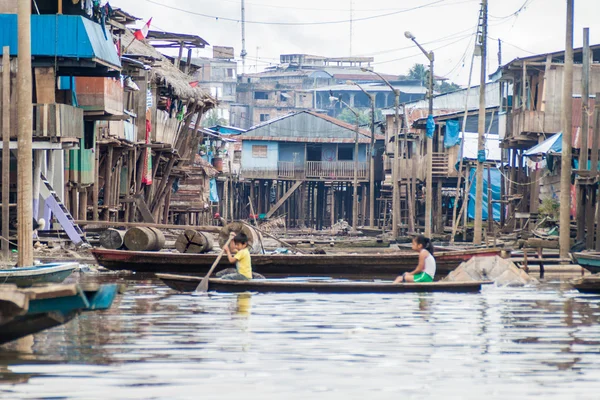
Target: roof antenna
243, 54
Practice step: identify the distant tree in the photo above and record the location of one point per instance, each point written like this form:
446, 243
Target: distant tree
447, 87
364, 117
419, 73
213, 119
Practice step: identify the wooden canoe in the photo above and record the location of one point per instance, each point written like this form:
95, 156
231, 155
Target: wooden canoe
45, 273
283, 265
589, 261
587, 284
53, 305
183, 283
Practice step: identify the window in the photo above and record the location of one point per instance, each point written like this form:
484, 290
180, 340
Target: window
264, 117
261, 96
259, 151
230, 72
345, 153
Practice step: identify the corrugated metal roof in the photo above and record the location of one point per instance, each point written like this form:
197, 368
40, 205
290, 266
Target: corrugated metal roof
455, 101
370, 87
304, 139
300, 128
68, 36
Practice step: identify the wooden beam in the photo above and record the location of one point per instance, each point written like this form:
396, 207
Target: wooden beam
283, 199
210, 229
5, 150
144, 210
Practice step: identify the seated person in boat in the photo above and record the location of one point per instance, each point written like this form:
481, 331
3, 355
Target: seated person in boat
241, 259
425, 271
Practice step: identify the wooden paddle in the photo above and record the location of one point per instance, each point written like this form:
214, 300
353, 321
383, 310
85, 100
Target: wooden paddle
203, 285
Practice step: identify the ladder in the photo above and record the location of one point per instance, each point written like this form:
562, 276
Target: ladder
63, 215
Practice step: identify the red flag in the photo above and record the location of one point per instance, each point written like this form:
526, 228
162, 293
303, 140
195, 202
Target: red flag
141, 34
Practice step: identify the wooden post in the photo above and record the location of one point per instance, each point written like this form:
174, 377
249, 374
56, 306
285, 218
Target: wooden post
481, 128
25, 116
567, 124
108, 182
96, 189
585, 99
594, 160
534, 201
83, 203
5, 150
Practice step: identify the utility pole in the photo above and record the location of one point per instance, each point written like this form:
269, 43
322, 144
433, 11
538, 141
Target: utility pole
428, 137
351, 24
243, 54
25, 157
355, 197
396, 165
478, 234
429, 185
372, 167
567, 122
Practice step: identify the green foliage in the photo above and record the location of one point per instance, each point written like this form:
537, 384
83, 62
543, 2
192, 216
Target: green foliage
364, 117
212, 119
550, 208
421, 73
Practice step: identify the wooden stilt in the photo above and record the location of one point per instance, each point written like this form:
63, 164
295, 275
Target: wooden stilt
6, 110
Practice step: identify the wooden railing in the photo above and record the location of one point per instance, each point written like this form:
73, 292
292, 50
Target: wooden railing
439, 163
287, 169
326, 170
335, 169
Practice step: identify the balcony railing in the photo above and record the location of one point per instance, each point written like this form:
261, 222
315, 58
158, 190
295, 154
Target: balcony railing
527, 121
323, 170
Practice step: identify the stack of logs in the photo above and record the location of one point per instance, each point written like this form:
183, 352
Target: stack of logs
189, 241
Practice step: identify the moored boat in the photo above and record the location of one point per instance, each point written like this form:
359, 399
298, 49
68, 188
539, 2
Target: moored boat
183, 283
589, 261
45, 273
284, 265
587, 284
40, 308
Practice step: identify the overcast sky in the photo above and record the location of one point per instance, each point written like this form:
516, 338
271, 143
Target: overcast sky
445, 26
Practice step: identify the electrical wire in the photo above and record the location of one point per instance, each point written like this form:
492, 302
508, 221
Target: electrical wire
333, 9
296, 23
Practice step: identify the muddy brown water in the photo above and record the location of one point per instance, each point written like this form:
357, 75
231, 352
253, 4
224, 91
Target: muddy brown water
504, 343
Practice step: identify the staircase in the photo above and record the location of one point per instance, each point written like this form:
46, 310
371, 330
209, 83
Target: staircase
63, 215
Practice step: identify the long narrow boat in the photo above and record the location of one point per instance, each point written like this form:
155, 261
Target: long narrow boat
589, 261
45, 273
183, 283
282, 265
45, 307
587, 284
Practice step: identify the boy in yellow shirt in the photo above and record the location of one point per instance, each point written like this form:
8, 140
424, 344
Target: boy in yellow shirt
241, 259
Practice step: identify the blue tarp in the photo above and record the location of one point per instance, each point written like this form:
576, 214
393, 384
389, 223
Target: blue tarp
551, 145
430, 126
496, 177
214, 195
452, 136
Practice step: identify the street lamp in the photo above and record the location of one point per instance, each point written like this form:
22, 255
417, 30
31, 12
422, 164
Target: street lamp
333, 99
396, 163
429, 184
372, 161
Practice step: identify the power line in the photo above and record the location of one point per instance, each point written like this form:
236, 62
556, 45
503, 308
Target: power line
333, 9
516, 13
296, 23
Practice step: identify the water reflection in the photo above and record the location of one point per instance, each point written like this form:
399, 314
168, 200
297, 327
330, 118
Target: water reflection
155, 343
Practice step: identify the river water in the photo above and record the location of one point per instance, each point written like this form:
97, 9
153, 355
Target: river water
517, 343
